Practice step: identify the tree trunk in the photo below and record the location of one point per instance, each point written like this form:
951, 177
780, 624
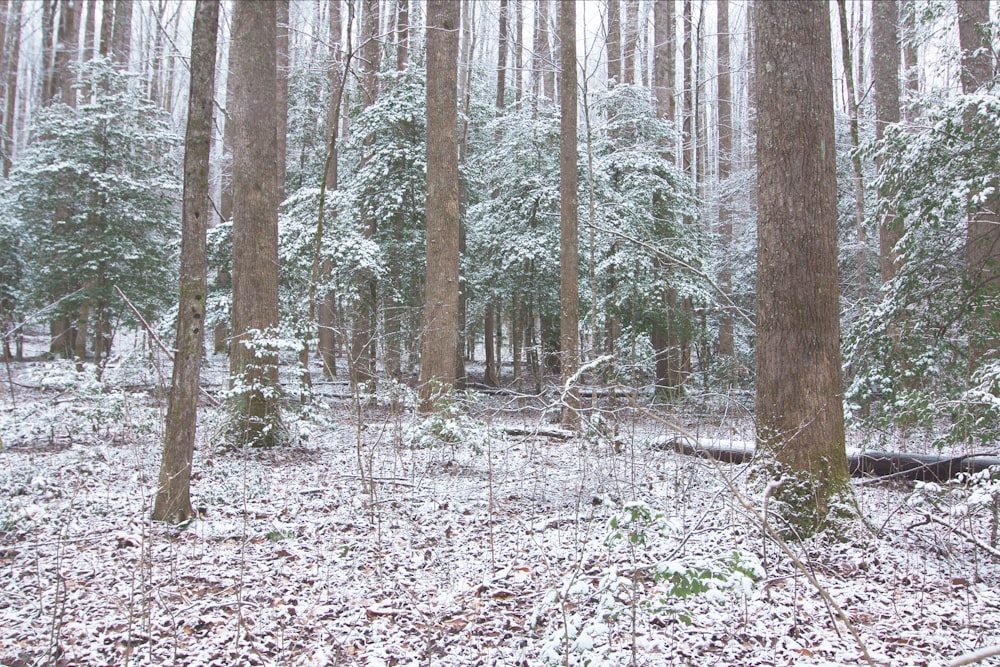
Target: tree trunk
365, 316
911, 64
402, 34
13, 49
726, 347
122, 33
569, 307
47, 70
173, 494
66, 53
490, 376
107, 27
281, 99
255, 220
517, 12
89, 31
859, 184
885, 64
799, 411
440, 331
983, 233
631, 16
614, 43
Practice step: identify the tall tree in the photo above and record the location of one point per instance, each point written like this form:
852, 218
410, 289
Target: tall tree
107, 27
66, 53
859, 184
365, 315
885, 61
327, 312
402, 34
726, 346
89, 50
568, 244
13, 61
173, 495
255, 221
631, 41
983, 234
48, 25
121, 40
440, 331
614, 41
800, 419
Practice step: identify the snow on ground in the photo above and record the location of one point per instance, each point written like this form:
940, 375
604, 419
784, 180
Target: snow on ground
354, 547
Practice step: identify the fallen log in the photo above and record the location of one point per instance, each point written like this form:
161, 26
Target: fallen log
863, 463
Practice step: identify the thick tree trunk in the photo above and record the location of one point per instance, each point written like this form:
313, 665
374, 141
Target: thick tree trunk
107, 27
630, 43
440, 331
799, 410
13, 49
569, 306
402, 34
255, 220
173, 494
89, 50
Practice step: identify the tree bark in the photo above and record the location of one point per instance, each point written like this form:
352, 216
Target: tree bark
107, 27
799, 411
440, 331
13, 48
255, 220
281, 99
631, 16
569, 307
402, 34
89, 50
173, 494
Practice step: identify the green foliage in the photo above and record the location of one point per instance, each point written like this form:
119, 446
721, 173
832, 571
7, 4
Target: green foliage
908, 354
94, 197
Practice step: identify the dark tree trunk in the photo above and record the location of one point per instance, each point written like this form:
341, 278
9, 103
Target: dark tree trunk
726, 346
173, 495
121, 43
440, 330
107, 27
614, 44
569, 307
799, 410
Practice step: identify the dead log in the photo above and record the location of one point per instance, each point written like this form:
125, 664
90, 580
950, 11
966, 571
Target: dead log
867, 464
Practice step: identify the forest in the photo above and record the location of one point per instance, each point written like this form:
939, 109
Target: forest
500, 332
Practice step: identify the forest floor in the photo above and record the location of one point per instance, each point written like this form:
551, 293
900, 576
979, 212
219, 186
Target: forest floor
362, 543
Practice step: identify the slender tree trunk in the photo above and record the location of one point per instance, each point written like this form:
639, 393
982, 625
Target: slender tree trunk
517, 12
859, 184
402, 34
363, 342
800, 420
911, 63
726, 346
173, 494
490, 376
255, 220
440, 331
66, 52
885, 61
89, 50
983, 233
48, 68
13, 49
569, 307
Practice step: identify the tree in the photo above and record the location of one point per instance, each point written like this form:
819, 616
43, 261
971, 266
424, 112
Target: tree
94, 193
440, 331
982, 248
568, 243
253, 371
885, 61
173, 495
614, 41
799, 413
121, 44
726, 346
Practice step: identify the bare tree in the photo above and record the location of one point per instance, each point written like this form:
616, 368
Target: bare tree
569, 307
983, 235
800, 419
255, 220
173, 495
440, 331
726, 346
885, 61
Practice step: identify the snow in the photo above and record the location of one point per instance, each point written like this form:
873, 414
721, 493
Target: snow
448, 556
